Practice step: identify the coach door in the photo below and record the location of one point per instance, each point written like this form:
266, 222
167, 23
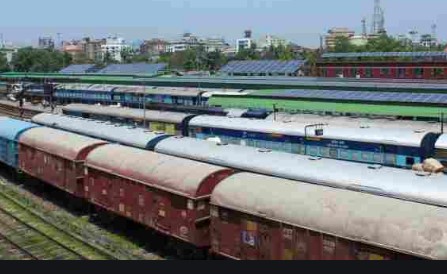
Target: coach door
249, 239
161, 211
265, 242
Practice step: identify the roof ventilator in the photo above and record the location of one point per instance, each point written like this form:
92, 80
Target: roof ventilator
264, 150
315, 158
422, 173
375, 166
222, 144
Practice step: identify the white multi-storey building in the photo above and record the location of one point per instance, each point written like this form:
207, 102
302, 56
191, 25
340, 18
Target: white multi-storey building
272, 41
114, 47
189, 41
244, 43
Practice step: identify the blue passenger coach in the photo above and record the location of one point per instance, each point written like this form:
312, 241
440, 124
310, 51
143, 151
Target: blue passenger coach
391, 147
10, 132
441, 149
83, 93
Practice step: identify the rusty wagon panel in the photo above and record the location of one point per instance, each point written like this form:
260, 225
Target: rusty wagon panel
260, 217
56, 157
166, 193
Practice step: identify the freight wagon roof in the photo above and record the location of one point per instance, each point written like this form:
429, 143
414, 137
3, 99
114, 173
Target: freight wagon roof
400, 137
398, 225
10, 129
64, 144
122, 134
134, 113
392, 182
442, 142
176, 175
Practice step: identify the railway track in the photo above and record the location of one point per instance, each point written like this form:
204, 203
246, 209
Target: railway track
15, 112
11, 251
26, 235
116, 246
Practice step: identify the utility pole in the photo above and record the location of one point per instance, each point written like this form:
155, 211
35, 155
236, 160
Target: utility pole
144, 104
413, 34
274, 112
442, 122
321, 43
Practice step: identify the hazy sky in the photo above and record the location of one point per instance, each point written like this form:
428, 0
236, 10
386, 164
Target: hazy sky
301, 21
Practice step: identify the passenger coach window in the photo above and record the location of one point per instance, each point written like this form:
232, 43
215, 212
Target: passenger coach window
438, 72
410, 161
390, 159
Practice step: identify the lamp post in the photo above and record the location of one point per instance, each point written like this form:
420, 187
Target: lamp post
144, 104
274, 112
442, 122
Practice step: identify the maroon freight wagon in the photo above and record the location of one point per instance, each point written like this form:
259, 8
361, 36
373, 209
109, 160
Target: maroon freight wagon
168, 194
264, 218
56, 157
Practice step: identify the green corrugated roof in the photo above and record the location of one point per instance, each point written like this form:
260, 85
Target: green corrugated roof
393, 110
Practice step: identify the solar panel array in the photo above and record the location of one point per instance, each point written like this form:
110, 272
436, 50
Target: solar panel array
84, 68
384, 54
400, 97
138, 68
277, 67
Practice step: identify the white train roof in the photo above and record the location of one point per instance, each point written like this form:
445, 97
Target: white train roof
134, 113
127, 135
400, 183
402, 137
353, 121
442, 142
407, 227
235, 112
86, 87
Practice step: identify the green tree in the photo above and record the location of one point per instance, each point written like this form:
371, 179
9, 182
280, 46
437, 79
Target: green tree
343, 44
248, 54
385, 43
141, 58
108, 59
81, 58
4, 66
175, 60
215, 60
284, 53
311, 57
191, 60
40, 60
127, 55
